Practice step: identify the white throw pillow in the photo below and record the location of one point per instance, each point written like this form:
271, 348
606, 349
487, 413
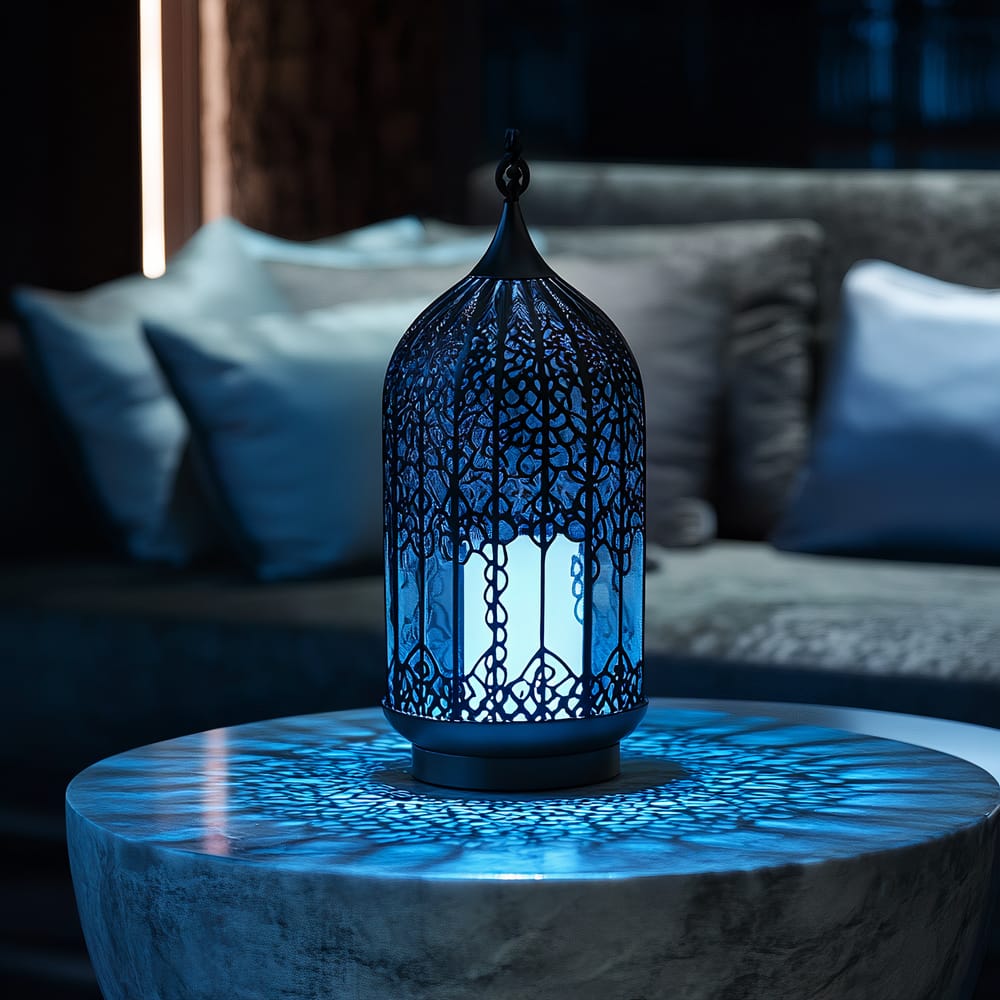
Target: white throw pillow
286, 414
394, 243
905, 457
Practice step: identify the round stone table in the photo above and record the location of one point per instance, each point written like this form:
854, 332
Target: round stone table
745, 851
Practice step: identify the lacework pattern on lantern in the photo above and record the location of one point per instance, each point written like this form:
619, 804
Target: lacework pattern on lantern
496, 433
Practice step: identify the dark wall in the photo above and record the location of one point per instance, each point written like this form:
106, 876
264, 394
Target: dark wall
69, 96
852, 83
357, 110
691, 80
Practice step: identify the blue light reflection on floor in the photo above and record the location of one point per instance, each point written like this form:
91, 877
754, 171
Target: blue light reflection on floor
699, 791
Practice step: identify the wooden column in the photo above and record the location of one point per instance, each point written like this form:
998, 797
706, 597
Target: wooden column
345, 113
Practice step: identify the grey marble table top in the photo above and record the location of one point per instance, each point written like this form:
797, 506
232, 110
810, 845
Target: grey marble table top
704, 787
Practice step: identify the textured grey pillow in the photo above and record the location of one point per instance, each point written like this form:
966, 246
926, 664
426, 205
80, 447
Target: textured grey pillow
764, 273
768, 375
718, 317
673, 317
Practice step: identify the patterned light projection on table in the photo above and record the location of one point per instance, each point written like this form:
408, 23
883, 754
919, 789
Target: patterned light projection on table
699, 790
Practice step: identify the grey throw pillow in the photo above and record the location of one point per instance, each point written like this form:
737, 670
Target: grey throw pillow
763, 275
672, 314
719, 318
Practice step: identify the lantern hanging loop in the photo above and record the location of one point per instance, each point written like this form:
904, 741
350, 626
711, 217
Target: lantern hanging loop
512, 175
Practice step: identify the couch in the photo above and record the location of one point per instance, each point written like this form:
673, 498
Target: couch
99, 655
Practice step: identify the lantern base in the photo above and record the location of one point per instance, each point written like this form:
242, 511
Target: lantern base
509, 774
515, 756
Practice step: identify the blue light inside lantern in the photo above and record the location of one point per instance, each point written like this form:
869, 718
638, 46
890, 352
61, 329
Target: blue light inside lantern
544, 625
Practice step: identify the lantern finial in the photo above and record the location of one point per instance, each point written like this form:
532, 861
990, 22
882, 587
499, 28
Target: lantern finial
512, 255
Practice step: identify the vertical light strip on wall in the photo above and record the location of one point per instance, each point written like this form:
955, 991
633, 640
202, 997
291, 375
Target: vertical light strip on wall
215, 164
151, 137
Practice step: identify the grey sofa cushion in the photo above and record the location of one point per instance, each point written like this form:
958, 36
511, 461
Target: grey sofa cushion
734, 619
185, 652
672, 310
756, 379
667, 297
674, 317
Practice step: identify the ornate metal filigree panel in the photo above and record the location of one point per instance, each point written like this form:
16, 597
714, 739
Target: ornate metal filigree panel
514, 508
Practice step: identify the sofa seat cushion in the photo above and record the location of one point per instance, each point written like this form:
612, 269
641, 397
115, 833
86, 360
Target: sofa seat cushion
100, 657
750, 603
743, 620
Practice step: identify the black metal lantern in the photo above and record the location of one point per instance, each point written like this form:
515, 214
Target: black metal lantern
514, 451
